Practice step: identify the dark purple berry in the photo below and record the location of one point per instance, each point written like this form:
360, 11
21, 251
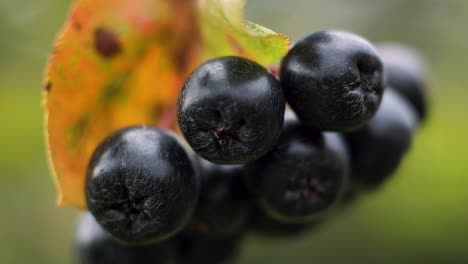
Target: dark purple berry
94, 246
142, 185
378, 148
265, 226
194, 249
224, 204
333, 80
231, 110
405, 71
302, 176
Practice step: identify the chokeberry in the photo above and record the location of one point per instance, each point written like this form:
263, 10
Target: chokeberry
193, 249
377, 149
142, 185
405, 71
265, 226
224, 204
302, 176
333, 80
231, 110
94, 246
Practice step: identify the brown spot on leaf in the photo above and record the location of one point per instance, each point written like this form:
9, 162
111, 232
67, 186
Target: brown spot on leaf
106, 43
77, 26
48, 86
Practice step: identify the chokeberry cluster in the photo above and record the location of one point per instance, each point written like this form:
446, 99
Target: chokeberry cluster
255, 165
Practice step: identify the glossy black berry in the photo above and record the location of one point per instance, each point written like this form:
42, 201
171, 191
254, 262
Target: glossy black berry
94, 246
405, 71
265, 226
231, 110
333, 80
377, 149
194, 249
302, 176
224, 204
142, 185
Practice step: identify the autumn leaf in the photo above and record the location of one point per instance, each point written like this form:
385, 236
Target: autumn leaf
118, 63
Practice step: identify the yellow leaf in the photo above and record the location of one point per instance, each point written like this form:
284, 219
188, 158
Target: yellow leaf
118, 63
225, 32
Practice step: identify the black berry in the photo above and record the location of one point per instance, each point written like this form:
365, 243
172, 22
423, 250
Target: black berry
405, 70
333, 80
224, 204
94, 246
231, 110
203, 250
142, 185
302, 176
377, 148
265, 226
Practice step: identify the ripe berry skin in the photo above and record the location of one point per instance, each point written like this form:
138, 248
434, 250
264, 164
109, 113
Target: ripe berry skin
377, 149
142, 185
194, 249
405, 71
231, 110
333, 80
302, 176
265, 226
224, 204
94, 246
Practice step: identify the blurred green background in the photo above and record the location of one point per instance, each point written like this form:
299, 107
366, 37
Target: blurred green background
420, 216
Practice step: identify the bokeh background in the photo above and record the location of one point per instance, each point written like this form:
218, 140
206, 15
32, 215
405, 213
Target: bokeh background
420, 216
